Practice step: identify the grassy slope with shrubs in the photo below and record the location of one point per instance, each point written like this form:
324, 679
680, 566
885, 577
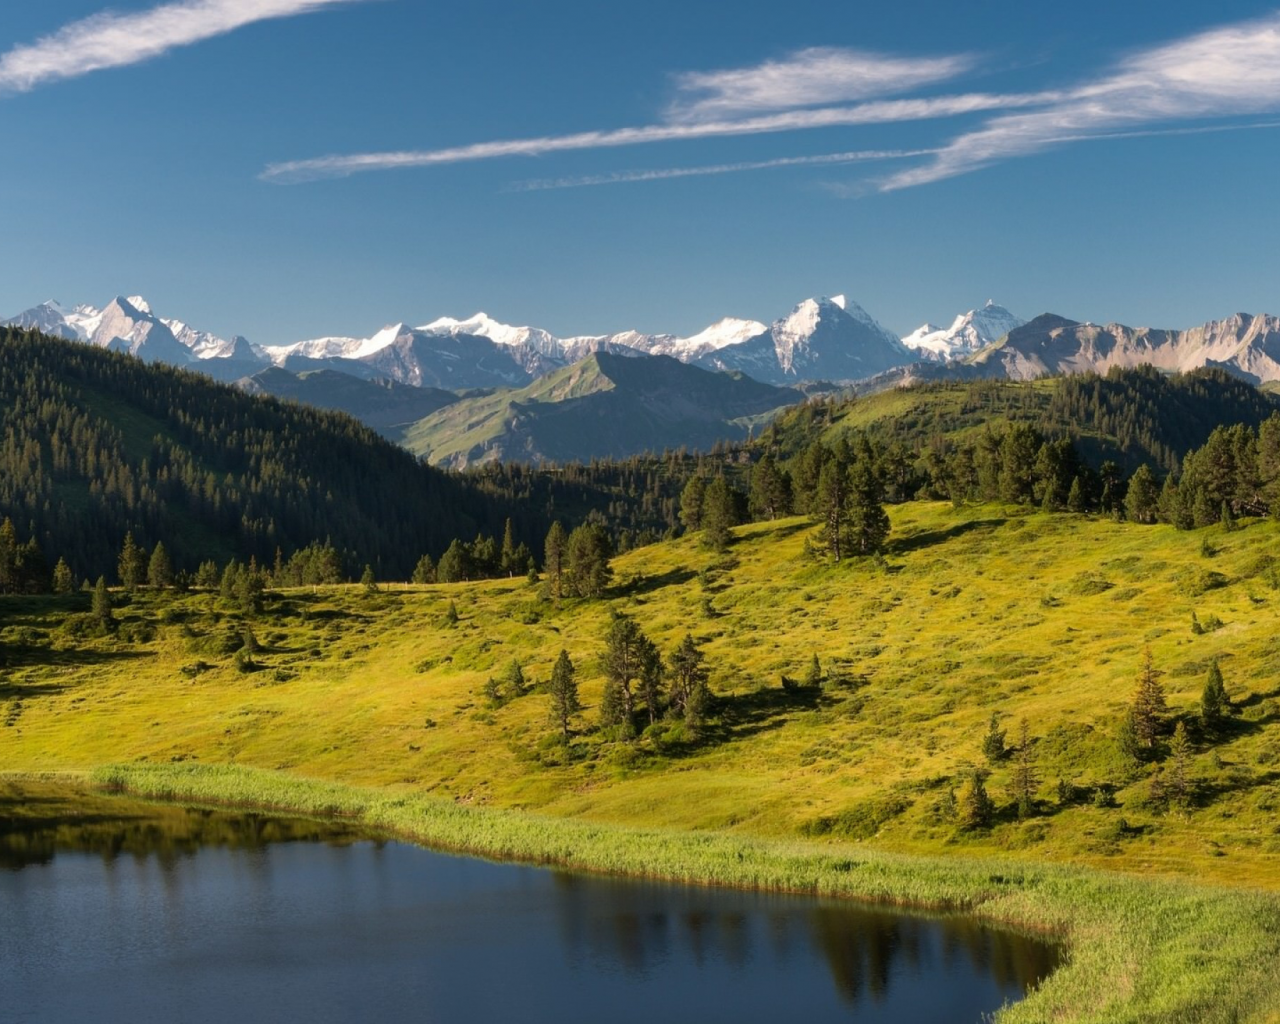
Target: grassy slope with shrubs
972, 612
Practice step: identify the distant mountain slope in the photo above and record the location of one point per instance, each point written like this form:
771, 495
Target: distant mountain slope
98, 443
1244, 345
607, 406
383, 405
1128, 416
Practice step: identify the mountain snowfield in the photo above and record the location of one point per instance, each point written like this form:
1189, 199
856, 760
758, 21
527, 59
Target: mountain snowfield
968, 334
821, 339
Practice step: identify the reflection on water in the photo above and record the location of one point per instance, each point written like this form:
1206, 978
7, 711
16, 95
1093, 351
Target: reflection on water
140, 912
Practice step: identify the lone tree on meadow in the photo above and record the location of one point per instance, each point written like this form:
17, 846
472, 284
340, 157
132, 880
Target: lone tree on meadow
975, 805
63, 582
102, 604
1214, 702
1149, 705
1024, 773
628, 656
563, 689
1180, 764
993, 745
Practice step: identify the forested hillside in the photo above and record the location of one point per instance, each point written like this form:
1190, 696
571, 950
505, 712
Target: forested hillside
94, 444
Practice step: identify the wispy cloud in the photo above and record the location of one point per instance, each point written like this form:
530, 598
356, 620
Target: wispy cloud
818, 76
1227, 72
664, 173
112, 40
879, 112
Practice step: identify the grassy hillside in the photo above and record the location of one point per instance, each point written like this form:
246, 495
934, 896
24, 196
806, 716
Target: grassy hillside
1128, 416
971, 612
606, 406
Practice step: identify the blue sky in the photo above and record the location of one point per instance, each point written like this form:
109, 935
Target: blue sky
227, 159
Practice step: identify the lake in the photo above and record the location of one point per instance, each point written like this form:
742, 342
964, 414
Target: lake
121, 911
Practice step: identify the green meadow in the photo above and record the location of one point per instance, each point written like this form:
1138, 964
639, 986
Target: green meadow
375, 704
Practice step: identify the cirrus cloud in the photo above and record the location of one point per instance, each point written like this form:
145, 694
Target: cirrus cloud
111, 40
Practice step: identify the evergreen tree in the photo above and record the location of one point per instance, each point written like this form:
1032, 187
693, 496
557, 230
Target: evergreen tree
455, 564
249, 641
63, 582
626, 652
507, 561
830, 505
563, 690
554, 559
451, 614
993, 745
688, 680
769, 495
132, 564
1180, 764
1024, 773
975, 804
424, 571
587, 570
159, 568
868, 521
652, 672
1148, 704
813, 677
1214, 702
513, 682
368, 580
718, 515
250, 588
8, 558
691, 504
1142, 500
207, 576
1075, 497
102, 604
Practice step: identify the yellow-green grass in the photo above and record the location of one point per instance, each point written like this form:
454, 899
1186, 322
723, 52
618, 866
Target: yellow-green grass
973, 611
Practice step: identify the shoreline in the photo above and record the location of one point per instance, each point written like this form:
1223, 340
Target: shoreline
1133, 949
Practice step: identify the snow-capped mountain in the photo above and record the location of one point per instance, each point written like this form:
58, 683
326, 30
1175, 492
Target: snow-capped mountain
821, 339
969, 333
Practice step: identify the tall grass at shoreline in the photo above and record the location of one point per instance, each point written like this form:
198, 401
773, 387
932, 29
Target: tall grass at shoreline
1137, 950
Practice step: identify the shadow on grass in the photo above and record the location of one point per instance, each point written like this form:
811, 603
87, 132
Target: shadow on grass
929, 538
743, 715
23, 656
651, 584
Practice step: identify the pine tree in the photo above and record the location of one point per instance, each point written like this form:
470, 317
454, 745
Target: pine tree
652, 672
507, 560
626, 649
1075, 497
451, 614
718, 515
553, 559
1148, 704
368, 580
586, 564
132, 564
813, 677
1024, 773
102, 604
688, 680
513, 682
8, 558
691, 504
1142, 500
424, 571
830, 505
63, 582
769, 494
1180, 764
1214, 702
993, 745
868, 521
563, 689
207, 576
975, 804
159, 568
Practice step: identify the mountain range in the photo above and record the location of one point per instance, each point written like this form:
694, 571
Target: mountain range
485, 386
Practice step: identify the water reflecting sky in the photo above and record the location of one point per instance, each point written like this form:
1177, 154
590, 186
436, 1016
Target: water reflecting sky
179, 915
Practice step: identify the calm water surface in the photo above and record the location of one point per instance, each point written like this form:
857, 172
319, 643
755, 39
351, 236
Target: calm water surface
123, 912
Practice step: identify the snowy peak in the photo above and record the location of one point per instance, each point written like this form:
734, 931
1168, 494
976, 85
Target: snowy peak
723, 333
969, 333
